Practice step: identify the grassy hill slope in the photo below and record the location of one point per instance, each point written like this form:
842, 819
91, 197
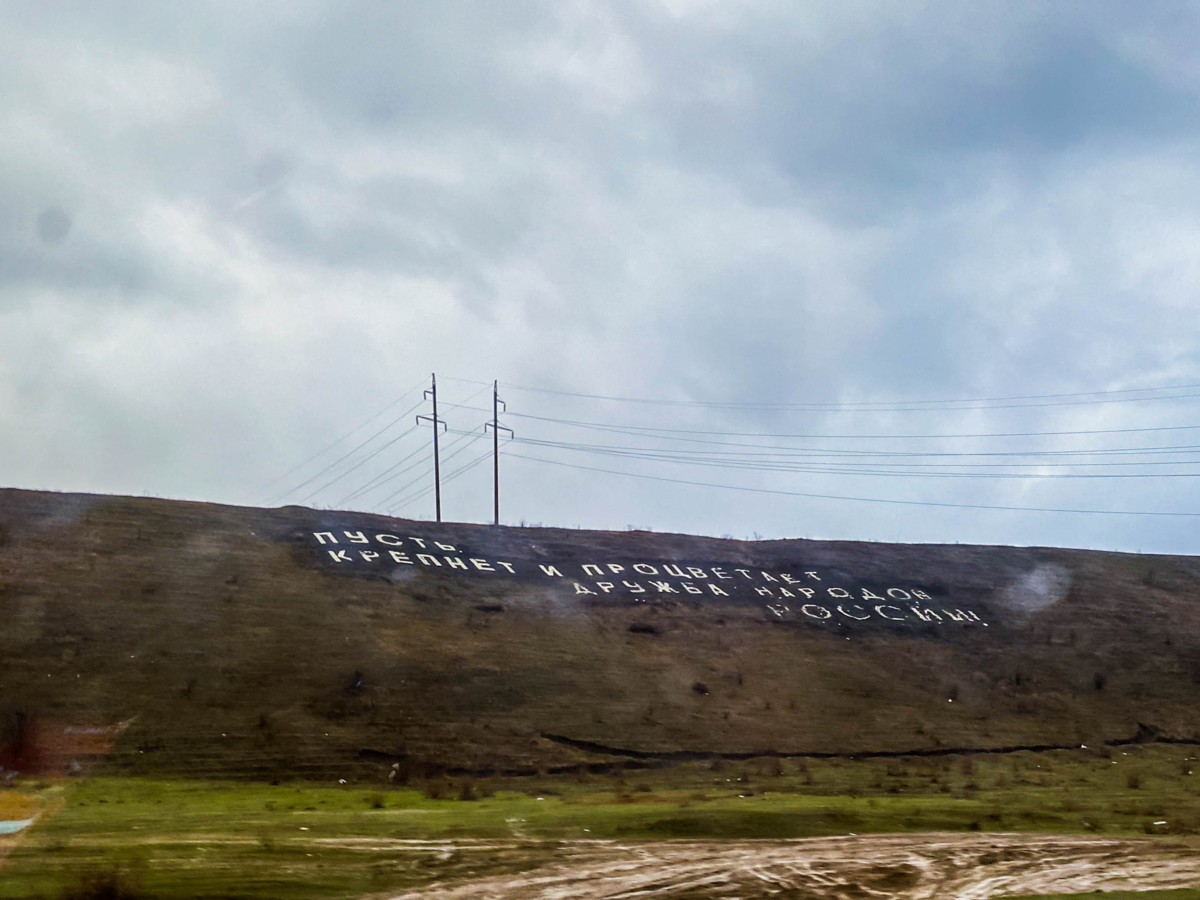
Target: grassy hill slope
245, 642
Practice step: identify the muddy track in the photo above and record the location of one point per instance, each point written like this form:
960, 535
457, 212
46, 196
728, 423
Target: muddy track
912, 866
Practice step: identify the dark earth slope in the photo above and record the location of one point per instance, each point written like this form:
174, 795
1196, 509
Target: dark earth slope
296, 641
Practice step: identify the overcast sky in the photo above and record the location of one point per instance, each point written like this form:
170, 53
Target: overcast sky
231, 234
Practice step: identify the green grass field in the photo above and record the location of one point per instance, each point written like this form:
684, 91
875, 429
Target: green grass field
181, 838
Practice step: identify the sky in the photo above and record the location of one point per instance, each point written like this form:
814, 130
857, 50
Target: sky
760, 269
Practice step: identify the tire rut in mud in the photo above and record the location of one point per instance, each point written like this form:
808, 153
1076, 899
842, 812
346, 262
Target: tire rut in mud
916, 866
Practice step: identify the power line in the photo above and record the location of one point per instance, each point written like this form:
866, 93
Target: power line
345, 456
883, 406
361, 462
352, 431
422, 492
375, 482
860, 468
453, 475
1102, 512
759, 451
658, 431
462, 436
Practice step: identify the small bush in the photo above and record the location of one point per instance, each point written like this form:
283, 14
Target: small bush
1133, 781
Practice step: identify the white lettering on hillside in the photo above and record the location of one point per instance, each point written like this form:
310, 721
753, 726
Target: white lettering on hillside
782, 593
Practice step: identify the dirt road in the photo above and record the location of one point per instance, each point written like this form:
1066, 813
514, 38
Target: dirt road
916, 866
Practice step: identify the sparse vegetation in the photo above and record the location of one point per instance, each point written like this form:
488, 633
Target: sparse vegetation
255, 839
276, 709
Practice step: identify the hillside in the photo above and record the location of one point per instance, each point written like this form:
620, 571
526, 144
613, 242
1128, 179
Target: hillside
271, 642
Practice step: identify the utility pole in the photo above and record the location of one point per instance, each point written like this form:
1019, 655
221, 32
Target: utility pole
496, 428
437, 472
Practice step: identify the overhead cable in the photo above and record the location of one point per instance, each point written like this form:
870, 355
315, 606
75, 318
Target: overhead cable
344, 437
1010, 402
733, 487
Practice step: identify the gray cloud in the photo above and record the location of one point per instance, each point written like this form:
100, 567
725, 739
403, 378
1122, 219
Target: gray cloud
226, 239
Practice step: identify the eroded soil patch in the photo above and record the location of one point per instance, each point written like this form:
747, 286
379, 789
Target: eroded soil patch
852, 867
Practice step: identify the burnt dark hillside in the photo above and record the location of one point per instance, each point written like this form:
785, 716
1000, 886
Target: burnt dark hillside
271, 642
